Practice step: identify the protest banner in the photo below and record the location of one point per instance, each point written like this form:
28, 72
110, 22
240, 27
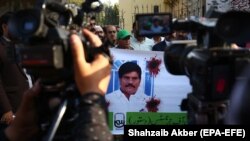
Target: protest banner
156, 101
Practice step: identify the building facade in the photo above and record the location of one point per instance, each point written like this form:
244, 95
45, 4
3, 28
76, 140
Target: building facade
184, 9
179, 8
129, 8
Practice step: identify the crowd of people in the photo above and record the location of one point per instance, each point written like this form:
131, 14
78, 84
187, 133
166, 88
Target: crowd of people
18, 113
17, 95
115, 37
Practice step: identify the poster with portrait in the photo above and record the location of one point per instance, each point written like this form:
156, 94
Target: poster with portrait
158, 97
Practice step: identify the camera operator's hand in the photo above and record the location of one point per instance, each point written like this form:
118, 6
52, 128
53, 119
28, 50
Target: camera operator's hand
90, 78
93, 76
25, 127
7, 117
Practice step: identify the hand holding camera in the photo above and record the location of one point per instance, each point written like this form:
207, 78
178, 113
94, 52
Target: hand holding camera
90, 78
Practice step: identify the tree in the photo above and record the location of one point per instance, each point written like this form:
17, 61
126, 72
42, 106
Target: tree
111, 15
15, 5
172, 3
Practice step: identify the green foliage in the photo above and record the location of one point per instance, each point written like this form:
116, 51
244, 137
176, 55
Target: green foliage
172, 3
14, 5
111, 15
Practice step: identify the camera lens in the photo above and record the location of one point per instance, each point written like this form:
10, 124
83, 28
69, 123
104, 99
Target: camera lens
26, 23
175, 57
29, 26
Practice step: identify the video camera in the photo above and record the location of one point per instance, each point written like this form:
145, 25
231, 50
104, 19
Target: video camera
42, 38
42, 35
212, 66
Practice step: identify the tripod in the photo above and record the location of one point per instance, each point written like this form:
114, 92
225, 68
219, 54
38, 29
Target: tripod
59, 120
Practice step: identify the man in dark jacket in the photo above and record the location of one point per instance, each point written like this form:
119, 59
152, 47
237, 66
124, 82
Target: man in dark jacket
163, 44
13, 80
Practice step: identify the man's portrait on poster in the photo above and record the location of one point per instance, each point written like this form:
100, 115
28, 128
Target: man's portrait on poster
129, 74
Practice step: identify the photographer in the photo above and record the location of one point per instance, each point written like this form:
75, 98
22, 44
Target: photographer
13, 80
92, 81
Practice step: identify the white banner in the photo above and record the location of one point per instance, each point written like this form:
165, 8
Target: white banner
167, 90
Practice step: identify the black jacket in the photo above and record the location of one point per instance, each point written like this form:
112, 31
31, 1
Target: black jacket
13, 80
160, 46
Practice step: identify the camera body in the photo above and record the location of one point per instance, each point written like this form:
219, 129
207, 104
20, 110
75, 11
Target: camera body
43, 50
212, 66
42, 39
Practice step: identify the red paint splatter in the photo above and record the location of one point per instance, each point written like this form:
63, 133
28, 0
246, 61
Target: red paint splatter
154, 66
152, 104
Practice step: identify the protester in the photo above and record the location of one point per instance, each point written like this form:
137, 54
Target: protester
91, 23
99, 32
140, 43
123, 38
157, 39
111, 36
161, 46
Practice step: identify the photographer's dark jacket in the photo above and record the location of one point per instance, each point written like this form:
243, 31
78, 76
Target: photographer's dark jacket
13, 81
161, 46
